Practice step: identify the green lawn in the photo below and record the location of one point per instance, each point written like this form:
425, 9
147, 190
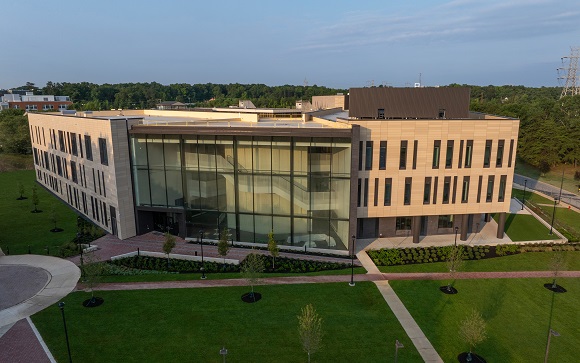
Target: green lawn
517, 312
192, 325
528, 261
553, 177
20, 228
525, 227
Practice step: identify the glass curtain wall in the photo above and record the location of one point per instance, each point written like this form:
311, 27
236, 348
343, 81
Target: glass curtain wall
298, 188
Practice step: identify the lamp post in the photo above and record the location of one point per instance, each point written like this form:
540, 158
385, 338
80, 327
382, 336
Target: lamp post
524, 197
550, 333
61, 306
398, 345
456, 230
202, 261
224, 352
351, 283
553, 215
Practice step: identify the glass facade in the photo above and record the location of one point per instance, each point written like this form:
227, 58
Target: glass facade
299, 188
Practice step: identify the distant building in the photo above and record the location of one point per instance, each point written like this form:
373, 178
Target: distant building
31, 102
328, 102
171, 105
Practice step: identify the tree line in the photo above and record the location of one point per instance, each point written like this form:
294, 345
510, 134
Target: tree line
549, 128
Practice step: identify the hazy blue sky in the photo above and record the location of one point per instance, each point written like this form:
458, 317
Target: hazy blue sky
332, 43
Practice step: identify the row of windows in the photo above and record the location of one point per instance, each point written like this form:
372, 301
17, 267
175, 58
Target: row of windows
404, 223
465, 149
430, 190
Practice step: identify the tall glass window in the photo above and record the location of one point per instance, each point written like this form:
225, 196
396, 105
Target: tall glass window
499, 156
369, 155
487, 153
468, 153
502, 184
489, 192
427, 190
465, 190
388, 190
383, 156
403, 155
446, 189
408, 186
449, 155
436, 153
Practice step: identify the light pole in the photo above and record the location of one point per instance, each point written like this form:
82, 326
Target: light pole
61, 306
550, 333
456, 230
524, 198
351, 283
397, 346
224, 352
553, 215
561, 185
202, 261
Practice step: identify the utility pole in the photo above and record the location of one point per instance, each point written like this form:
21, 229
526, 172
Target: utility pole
569, 73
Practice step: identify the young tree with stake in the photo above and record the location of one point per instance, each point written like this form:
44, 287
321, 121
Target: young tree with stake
310, 330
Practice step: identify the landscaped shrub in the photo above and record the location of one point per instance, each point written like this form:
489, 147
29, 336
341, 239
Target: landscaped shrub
502, 250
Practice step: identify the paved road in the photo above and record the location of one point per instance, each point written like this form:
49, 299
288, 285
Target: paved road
567, 197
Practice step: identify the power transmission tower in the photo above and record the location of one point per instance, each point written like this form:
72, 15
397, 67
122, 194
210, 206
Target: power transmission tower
570, 69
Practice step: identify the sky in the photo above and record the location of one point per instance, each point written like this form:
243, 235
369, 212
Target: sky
338, 44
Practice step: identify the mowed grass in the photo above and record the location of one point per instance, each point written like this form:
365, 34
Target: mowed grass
525, 227
527, 261
518, 312
20, 228
192, 325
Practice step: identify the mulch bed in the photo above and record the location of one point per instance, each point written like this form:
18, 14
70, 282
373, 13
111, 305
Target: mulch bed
550, 286
474, 358
93, 302
448, 290
251, 297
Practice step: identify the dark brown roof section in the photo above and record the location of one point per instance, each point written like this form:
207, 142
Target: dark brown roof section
416, 103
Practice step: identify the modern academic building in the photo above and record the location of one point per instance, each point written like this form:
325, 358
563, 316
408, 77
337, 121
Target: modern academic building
386, 162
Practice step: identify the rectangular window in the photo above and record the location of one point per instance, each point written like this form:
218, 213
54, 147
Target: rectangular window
499, 157
403, 223
460, 154
511, 153
446, 189
388, 189
415, 147
468, 153
435, 184
58, 166
360, 155
502, 183
359, 193
403, 155
479, 186
88, 147
73, 143
104, 187
427, 190
408, 185
436, 153
73, 171
366, 195
369, 156
61, 140
445, 221
81, 145
103, 151
381, 114
487, 154
465, 190
383, 156
489, 192
95, 181
449, 155
376, 195
454, 189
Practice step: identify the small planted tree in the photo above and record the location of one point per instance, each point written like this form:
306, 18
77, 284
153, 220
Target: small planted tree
454, 262
93, 270
21, 191
472, 330
35, 199
54, 219
223, 246
310, 330
557, 264
168, 245
252, 268
273, 248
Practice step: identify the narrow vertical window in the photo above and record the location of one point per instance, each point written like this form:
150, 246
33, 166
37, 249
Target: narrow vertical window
446, 189
435, 184
366, 195
383, 156
403, 155
61, 140
408, 185
449, 155
415, 147
465, 190
369, 155
103, 151
81, 145
381, 114
479, 186
436, 153
388, 188
499, 157
487, 154
427, 190
468, 153
454, 189
88, 147
360, 155
359, 193
460, 154
502, 183
489, 192
376, 195
73, 171
511, 153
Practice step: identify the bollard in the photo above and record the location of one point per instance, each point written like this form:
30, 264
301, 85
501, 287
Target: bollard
138, 252
47, 250
196, 253
7, 251
28, 249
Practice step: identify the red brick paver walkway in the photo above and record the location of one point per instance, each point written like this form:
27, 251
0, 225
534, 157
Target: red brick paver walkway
19, 345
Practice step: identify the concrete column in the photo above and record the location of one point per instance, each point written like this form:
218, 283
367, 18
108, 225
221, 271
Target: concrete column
416, 228
464, 227
501, 225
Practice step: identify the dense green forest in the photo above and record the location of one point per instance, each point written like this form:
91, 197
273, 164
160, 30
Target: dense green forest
549, 129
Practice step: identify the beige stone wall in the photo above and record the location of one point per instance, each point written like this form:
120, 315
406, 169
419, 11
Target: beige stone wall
117, 174
426, 132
